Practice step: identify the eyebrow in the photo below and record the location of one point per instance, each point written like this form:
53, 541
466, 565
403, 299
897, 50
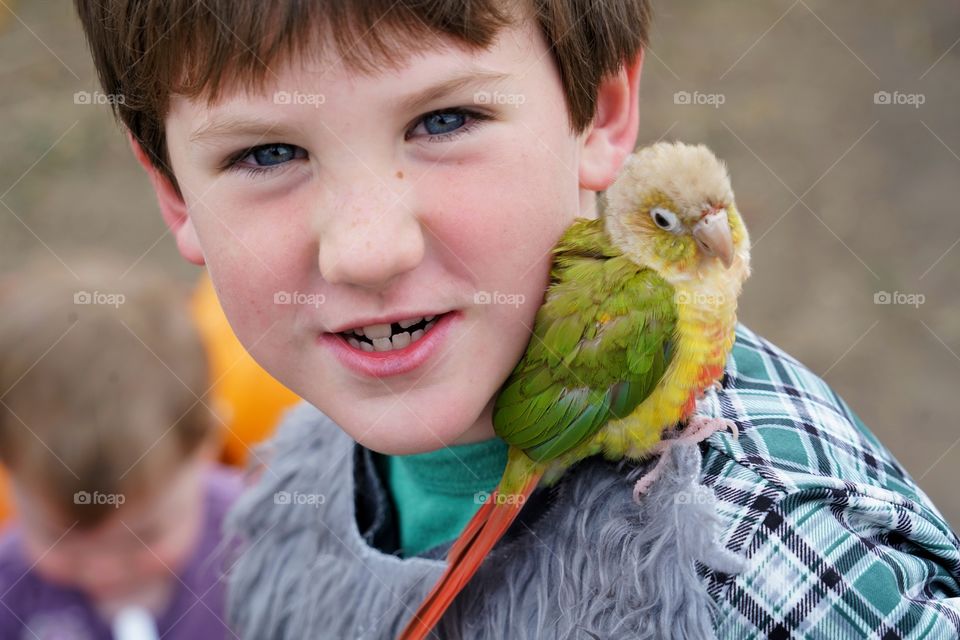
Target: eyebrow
444, 88
239, 125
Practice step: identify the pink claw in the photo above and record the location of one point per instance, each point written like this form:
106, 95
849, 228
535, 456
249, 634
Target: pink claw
698, 428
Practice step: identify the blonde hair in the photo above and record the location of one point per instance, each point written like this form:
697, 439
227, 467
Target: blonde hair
99, 383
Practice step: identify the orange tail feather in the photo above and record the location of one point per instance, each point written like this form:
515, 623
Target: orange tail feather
466, 555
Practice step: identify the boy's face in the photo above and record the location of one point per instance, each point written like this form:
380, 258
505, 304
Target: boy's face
366, 207
130, 557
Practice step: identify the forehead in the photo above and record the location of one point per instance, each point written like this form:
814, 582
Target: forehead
323, 80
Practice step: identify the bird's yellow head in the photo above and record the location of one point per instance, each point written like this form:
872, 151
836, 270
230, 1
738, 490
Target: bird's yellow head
671, 208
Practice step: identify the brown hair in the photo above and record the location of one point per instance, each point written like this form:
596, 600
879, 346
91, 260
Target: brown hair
99, 380
146, 50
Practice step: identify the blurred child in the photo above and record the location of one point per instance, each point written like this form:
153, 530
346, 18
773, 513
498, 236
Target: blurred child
108, 441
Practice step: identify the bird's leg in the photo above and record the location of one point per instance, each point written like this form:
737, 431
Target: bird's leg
701, 427
644, 483
698, 428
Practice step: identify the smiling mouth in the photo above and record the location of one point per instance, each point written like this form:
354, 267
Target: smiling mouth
389, 337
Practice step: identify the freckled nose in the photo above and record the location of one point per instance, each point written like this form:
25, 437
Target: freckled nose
371, 240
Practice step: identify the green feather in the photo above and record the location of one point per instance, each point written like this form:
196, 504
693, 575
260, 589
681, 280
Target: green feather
562, 336
591, 418
599, 346
529, 432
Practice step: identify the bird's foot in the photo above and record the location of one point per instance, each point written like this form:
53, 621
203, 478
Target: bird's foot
698, 428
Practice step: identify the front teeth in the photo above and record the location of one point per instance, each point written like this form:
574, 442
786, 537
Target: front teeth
375, 331
380, 335
398, 341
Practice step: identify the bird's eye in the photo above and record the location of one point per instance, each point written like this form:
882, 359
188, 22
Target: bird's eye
664, 218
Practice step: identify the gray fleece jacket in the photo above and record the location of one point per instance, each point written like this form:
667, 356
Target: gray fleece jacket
317, 551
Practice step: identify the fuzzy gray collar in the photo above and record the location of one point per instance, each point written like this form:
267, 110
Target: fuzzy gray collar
583, 561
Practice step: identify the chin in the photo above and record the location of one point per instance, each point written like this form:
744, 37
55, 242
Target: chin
407, 437
421, 420
407, 441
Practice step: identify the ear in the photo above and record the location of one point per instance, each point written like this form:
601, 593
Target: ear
612, 135
172, 207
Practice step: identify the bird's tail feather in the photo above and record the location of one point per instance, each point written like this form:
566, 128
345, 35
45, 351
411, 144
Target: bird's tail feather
466, 555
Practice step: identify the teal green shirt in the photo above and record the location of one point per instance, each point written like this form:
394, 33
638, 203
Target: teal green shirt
436, 493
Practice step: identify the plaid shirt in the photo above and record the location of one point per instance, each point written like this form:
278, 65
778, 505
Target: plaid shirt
842, 543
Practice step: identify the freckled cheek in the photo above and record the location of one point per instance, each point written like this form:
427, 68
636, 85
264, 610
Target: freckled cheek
496, 207
246, 295
502, 235
255, 253
500, 253
241, 225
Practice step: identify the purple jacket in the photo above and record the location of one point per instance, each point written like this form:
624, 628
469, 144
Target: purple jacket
31, 608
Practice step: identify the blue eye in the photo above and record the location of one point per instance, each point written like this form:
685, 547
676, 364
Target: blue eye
266, 156
447, 124
273, 154
442, 125
443, 122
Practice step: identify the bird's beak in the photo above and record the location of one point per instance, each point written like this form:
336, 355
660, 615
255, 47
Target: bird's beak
712, 233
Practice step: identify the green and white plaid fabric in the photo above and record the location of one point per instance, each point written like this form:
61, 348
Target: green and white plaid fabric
842, 542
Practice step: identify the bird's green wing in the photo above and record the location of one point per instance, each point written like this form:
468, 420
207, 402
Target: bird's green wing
600, 344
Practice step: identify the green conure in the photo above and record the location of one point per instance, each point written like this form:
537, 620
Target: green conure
637, 322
